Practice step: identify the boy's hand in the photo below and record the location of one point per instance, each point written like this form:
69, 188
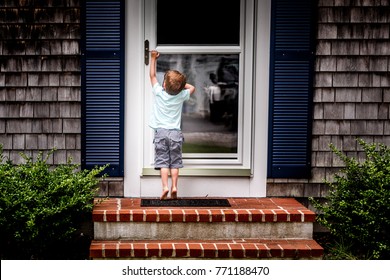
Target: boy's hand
154, 54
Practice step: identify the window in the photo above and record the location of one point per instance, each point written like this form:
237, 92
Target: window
210, 117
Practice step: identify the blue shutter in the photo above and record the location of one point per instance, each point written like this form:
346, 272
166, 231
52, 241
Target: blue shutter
103, 85
291, 85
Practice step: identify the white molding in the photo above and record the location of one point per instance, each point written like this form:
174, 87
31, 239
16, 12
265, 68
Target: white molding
133, 98
261, 98
206, 172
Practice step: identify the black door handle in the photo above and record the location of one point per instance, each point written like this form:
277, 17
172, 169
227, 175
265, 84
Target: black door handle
146, 56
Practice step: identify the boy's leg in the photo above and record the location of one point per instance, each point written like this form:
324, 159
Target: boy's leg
161, 159
175, 147
164, 173
175, 178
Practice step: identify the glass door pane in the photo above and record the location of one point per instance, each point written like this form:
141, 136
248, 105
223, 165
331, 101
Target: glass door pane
214, 54
199, 22
210, 117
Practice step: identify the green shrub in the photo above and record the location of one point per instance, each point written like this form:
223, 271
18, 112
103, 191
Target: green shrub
41, 207
358, 205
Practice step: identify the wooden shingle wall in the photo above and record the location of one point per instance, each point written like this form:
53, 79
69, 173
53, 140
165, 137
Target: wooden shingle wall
40, 78
352, 88
40, 93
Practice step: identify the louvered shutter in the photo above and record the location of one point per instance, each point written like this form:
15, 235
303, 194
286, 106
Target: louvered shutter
103, 85
291, 83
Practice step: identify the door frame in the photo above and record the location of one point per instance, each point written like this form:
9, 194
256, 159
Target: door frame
137, 182
194, 164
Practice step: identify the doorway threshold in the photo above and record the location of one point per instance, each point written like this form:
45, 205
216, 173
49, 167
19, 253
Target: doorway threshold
206, 172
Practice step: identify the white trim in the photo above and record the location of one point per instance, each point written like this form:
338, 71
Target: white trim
261, 98
214, 172
133, 99
199, 49
136, 120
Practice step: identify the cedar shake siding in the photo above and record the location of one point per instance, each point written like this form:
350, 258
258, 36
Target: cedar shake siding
41, 91
352, 88
40, 78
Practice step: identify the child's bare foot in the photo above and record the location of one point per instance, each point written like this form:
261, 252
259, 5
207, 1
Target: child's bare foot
164, 194
174, 193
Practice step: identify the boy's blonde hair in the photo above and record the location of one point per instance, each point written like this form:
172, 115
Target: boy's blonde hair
174, 82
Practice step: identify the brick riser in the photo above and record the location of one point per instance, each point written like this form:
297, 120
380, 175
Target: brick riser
251, 210
117, 236
210, 215
207, 249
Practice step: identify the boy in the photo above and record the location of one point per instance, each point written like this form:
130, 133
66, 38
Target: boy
166, 120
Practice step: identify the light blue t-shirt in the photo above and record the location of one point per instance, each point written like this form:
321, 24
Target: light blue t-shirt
166, 111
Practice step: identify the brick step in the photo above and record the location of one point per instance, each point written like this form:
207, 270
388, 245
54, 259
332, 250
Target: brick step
251, 228
116, 219
207, 249
203, 215
242, 210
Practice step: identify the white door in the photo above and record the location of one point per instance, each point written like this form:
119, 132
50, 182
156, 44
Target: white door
214, 48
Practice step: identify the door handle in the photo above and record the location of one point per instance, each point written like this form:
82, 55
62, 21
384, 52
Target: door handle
146, 53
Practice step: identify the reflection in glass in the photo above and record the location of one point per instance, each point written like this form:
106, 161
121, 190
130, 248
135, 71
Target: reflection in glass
210, 117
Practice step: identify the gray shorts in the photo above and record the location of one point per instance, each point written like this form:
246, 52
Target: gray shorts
168, 148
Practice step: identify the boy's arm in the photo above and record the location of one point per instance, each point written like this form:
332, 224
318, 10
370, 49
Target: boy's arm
191, 88
152, 72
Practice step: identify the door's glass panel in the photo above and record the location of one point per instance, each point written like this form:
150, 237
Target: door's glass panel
200, 22
210, 117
